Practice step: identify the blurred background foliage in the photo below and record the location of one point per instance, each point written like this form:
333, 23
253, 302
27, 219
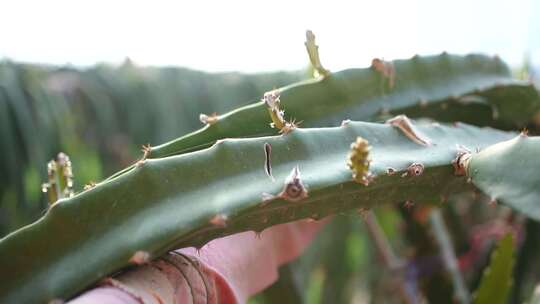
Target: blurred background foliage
101, 116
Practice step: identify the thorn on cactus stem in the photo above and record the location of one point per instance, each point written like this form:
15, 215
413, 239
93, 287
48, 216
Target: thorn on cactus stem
294, 189
140, 257
461, 162
403, 123
345, 122
524, 133
209, 119
146, 149
423, 103
90, 185
492, 202
390, 171
219, 220
415, 169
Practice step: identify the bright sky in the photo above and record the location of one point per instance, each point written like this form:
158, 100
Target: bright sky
252, 36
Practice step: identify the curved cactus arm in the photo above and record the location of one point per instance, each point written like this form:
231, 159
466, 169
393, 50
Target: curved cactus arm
508, 172
422, 86
189, 199
497, 278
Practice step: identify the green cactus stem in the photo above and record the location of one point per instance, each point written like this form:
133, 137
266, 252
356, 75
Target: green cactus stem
190, 199
507, 172
442, 81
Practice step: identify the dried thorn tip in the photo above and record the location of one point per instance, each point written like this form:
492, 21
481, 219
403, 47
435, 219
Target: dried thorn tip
359, 161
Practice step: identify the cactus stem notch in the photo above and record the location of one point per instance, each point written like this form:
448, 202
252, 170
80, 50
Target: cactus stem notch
359, 161
268, 160
403, 123
209, 119
140, 257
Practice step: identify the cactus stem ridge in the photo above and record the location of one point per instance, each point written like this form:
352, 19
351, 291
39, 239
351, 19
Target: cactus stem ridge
403, 123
